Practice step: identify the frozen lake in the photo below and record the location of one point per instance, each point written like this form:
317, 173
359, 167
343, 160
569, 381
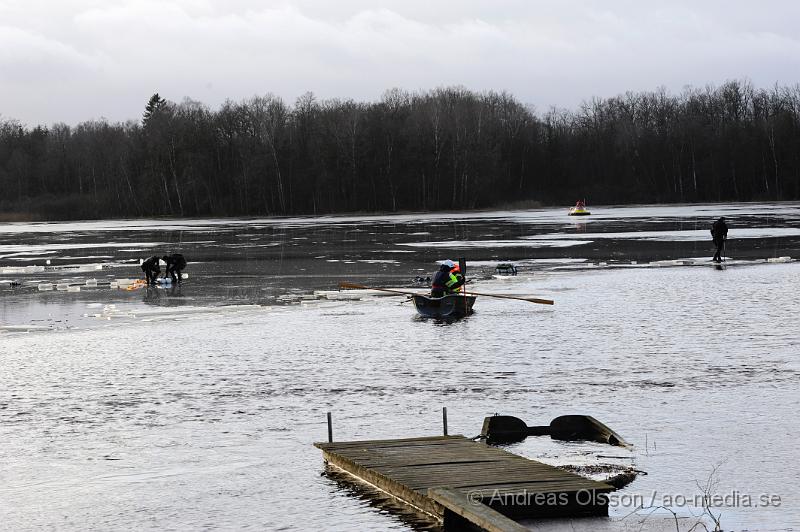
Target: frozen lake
196, 407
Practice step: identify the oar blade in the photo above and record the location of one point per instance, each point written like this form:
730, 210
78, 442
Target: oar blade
540, 301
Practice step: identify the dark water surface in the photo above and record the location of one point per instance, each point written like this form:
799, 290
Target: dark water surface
195, 407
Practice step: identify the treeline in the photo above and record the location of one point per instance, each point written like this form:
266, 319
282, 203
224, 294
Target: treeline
443, 149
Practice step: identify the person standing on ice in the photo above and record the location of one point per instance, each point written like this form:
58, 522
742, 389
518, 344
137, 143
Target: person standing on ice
151, 270
719, 233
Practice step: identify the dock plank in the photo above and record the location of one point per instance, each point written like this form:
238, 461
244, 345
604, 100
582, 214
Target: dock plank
477, 514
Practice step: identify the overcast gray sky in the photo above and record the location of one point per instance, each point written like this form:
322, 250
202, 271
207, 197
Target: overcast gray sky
74, 60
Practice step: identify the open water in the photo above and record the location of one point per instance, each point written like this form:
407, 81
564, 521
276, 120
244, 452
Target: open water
195, 407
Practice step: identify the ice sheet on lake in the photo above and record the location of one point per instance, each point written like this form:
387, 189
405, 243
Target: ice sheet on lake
32, 249
458, 244
24, 255
85, 257
551, 215
523, 262
694, 235
149, 314
23, 328
710, 211
18, 270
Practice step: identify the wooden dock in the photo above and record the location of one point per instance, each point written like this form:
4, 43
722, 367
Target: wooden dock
459, 481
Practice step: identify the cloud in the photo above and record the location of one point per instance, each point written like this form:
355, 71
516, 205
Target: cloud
107, 57
27, 57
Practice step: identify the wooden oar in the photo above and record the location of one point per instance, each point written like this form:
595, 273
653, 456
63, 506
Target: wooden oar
362, 287
528, 299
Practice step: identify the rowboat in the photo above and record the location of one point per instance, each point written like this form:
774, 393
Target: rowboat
447, 307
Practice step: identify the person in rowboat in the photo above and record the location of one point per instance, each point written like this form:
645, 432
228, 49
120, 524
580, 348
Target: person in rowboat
719, 233
448, 280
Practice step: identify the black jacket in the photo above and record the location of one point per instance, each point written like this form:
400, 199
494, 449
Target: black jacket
151, 265
440, 278
719, 231
174, 261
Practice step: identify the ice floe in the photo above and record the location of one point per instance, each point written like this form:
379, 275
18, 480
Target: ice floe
460, 244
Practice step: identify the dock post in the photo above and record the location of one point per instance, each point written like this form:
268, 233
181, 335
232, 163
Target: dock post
330, 429
444, 420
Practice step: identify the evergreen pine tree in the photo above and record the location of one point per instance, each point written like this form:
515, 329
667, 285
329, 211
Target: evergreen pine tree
154, 105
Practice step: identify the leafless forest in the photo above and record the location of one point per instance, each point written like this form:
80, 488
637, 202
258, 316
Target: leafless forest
448, 148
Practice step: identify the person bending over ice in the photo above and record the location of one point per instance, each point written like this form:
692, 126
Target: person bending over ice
151, 270
175, 264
